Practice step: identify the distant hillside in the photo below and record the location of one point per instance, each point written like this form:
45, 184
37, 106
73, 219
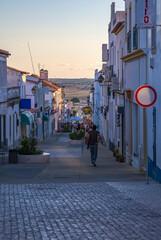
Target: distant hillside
78, 87
79, 81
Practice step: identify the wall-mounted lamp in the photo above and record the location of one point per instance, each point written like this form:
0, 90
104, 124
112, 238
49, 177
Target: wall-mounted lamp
33, 90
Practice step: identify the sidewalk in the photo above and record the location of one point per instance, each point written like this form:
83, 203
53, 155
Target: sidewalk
70, 164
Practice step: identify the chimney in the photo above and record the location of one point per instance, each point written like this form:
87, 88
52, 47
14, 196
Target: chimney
112, 11
46, 75
42, 74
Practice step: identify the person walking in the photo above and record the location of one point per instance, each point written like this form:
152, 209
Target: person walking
78, 127
93, 139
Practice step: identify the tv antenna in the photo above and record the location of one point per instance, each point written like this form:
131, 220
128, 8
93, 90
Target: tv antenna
31, 58
39, 66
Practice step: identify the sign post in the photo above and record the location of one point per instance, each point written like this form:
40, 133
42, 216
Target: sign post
145, 97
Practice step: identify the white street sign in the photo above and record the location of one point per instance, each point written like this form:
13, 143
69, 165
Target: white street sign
146, 13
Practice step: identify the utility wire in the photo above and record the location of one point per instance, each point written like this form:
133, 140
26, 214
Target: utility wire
31, 58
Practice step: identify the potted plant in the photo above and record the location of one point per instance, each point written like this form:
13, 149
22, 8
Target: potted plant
76, 136
120, 158
28, 146
29, 153
116, 152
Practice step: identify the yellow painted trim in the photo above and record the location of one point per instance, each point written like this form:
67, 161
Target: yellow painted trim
133, 55
119, 29
130, 5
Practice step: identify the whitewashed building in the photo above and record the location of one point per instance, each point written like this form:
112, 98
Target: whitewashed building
117, 79
34, 93
14, 88
3, 98
153, 114
53, 106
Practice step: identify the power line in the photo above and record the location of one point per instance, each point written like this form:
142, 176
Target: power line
31, 58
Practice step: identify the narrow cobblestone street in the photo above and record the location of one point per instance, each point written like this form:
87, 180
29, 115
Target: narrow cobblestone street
70, 199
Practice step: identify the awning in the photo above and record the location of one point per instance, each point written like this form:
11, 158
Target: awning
27, 118
45, 117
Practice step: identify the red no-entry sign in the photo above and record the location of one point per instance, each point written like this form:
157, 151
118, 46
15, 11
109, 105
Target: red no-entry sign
145, 96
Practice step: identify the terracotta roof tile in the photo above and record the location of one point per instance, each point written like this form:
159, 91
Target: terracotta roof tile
36, 76
4, 52
14, 69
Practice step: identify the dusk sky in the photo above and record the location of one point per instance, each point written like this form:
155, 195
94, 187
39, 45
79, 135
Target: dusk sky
65, 36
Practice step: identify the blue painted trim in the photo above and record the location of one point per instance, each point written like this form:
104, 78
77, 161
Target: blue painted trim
154, 171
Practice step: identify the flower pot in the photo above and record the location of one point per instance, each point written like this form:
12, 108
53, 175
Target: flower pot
37, 158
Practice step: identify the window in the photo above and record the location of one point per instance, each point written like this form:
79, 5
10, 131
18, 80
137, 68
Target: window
130, 19
135, 37
129, 32
126, 23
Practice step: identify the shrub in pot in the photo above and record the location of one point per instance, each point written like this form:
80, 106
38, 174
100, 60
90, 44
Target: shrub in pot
77, 135
28, 146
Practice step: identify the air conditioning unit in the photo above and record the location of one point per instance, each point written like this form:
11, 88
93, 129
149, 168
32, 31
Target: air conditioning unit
114, 84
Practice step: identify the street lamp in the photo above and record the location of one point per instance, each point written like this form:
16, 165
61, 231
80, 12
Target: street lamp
33, 90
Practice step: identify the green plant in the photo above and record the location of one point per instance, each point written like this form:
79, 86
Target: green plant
75, 100
28, 146
66, 129
87, 110
116, 152
120, 158
77, 135
75, 112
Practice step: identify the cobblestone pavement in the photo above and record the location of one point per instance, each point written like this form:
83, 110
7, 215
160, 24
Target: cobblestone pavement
72, 200
77, 211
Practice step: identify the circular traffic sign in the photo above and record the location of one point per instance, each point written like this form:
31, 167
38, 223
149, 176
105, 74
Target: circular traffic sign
145, 96
60, 118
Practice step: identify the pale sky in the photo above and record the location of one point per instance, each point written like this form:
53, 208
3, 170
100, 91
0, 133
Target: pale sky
65, 36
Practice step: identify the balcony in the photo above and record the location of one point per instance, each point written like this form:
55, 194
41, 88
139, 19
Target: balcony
135, 38
129, 42
118, 22
3, 95
13, 93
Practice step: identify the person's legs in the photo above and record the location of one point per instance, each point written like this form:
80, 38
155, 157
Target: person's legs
95, 153
92, 153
